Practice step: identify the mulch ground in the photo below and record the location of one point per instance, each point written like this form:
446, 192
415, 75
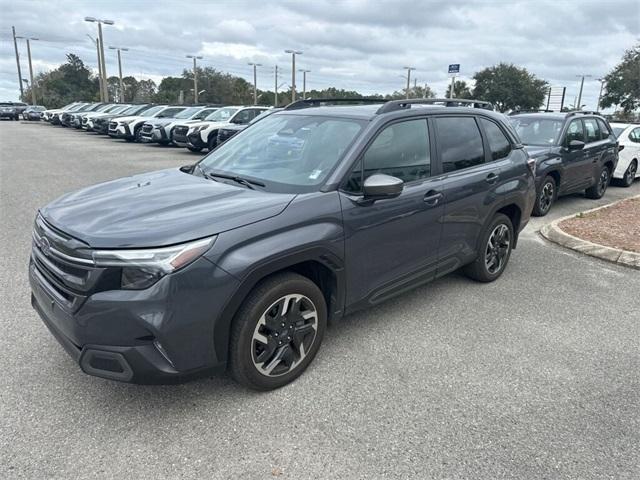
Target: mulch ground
617, 226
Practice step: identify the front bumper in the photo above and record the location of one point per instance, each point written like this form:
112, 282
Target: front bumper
8, 115
162, 334
120, 131
195, 140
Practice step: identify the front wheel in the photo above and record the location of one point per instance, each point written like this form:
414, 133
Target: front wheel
277, 332
597, 191
495, 249
545, 198
629, 174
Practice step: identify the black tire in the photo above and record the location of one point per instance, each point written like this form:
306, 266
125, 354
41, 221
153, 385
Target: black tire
260, 316
194, 149
137, 134
482, 271
545, 197
629, 174
213, 141
602, 182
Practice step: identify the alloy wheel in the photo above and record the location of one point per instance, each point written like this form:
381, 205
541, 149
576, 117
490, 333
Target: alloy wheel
284, 335
630, 174
546, 196
497, 249
603, 181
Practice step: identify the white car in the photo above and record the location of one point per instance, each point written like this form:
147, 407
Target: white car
159, 130
53, 114
629, 156
130, 128
87, 119
199, 135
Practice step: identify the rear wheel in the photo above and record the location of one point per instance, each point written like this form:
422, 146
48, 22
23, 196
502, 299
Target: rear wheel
495, 249
597, 191
277, 332
213, 142
545, 198
138, 134
629, 174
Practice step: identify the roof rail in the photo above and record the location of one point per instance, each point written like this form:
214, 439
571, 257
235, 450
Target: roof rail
516, 112
318, 102
394, 105
582, 112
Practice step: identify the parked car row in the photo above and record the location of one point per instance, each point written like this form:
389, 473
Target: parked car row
12, 110
195, 127
240, 260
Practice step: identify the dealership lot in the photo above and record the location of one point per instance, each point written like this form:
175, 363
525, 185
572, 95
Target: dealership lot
535, 375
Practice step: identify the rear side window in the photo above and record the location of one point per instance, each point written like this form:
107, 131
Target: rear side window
575, 132
459, 142
498, 142
592, 130
604, 129
634, 135
400, 150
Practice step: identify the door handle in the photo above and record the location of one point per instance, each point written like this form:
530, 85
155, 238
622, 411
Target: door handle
432, 198
491, 178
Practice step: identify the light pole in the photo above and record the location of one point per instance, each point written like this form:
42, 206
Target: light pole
255, 81
15, 45
304, 82
408, 69
579, 101
275, 100
601, 80
195, 76
293, 71
33, 88
105, 91
96, 42
120, 70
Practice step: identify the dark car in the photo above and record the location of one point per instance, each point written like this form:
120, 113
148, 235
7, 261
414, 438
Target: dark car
241, 259
33, 112
225, 133
574, 152
12, 110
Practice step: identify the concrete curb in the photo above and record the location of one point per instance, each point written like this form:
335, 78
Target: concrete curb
555, 234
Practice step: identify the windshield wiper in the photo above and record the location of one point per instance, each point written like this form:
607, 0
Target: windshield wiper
236, 178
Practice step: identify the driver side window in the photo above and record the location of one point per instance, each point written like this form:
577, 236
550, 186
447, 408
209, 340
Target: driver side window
574, 132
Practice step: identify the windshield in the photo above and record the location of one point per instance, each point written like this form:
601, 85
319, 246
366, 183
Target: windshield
153, 110
120, 109
222, 115
289, 153
104, 108
537, 131
188, 113
617, 131
202, 114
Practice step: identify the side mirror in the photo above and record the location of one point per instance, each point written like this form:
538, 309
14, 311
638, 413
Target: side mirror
576, 145
379, 186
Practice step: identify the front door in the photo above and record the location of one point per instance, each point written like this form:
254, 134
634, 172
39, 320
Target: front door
392, 244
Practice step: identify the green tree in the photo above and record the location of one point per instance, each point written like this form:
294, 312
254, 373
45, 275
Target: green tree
622, 84
145, 91
70, 82
461, 89
509, 87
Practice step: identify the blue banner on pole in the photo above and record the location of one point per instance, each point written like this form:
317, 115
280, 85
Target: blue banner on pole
454, 68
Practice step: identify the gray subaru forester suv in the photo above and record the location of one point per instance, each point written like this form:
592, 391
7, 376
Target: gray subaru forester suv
240, 260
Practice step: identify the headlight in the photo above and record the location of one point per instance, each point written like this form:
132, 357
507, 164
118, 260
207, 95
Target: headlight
142, 268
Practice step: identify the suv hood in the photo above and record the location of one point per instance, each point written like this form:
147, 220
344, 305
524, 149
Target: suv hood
159, 208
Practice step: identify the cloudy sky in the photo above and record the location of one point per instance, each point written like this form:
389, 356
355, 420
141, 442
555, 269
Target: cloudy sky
352, 44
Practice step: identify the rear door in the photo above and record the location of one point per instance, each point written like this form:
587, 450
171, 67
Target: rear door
596, 150
471, 181
574, 162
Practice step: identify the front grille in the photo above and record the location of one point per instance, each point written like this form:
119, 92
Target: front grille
181, 130
147, 128
66, 273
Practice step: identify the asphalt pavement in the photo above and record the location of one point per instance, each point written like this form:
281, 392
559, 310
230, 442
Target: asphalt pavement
536, 375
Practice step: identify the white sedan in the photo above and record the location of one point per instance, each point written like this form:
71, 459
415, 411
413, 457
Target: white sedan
629, 138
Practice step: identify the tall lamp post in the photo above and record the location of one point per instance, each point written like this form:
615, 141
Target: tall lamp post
293, 71
579, 101
304, 82
195, 76
96, 42
33, 86
602, 82
15, 45
105, 91
408, 69
119, 49
255, 81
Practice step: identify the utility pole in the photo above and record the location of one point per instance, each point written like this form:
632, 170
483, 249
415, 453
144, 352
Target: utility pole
304, 82
121, 96
293, 72
579, 101
15, 45
97, 44
408, 69
195, 76
255, 81
424, 94
105, 90
453, 84
33, 88
275, 101
601, 80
